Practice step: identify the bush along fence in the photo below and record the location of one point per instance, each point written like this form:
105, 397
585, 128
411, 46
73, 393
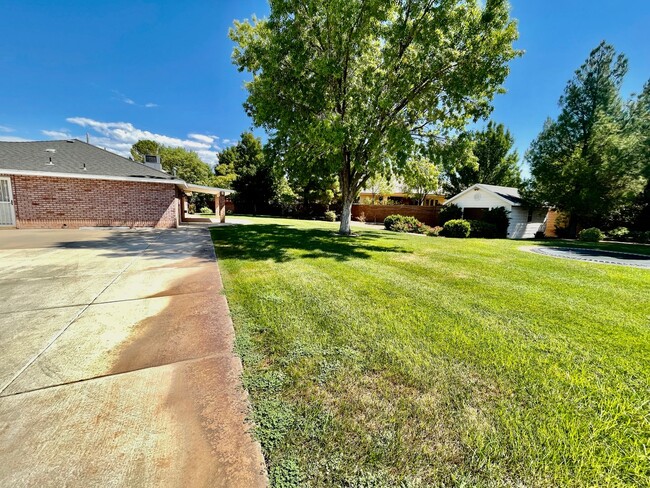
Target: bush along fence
377, 213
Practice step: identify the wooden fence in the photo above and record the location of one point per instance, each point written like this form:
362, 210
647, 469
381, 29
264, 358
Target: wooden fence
377, 213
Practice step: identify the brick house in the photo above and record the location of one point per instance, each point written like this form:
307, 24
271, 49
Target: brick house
72, 184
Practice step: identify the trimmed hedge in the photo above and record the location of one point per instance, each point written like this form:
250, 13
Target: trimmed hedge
330, 216
457, 228
592, 234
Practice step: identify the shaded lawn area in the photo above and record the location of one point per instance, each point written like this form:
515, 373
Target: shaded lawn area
400, 360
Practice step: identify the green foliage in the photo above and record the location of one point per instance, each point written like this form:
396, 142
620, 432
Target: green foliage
642, 237
349, 88
286, 474
404, 223
206, 210
500, 218
449, 212
592, 234
457, 228
379, 187
492, 161
144, 147
330, 216
256, 183
619, 233
186, 165
421, 178
224, 170
589, 161
480, 228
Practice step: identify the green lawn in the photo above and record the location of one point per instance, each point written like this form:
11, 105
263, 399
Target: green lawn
400, 360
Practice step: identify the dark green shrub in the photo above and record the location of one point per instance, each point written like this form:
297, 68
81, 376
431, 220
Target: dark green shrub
449, 212
642, 237
500, 218
404, 223
330, 216
457, 228
593, 234
479, 228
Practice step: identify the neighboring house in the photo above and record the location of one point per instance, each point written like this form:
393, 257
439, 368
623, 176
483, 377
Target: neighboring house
399, 195
72, 184
524, 221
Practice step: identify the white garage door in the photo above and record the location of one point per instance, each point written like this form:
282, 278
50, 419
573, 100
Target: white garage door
7, 215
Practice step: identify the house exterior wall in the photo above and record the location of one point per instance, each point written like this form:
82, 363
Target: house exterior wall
520, 228
52, 202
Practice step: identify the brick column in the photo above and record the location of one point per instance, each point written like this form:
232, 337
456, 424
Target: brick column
222, 207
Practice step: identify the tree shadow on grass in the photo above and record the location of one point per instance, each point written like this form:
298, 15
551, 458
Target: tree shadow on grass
277, 242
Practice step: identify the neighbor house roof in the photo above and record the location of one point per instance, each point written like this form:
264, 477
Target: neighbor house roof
73, 157
507, 193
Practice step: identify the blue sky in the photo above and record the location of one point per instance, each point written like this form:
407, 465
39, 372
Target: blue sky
129, 69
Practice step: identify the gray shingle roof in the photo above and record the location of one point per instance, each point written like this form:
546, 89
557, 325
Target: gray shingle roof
506, 192
69, 157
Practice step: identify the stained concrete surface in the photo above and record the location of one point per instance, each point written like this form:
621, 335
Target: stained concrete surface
117, 363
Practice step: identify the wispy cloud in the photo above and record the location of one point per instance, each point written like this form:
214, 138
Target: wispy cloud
4, 128
57, 134
202, 138
120, 136
129, 101
13, 139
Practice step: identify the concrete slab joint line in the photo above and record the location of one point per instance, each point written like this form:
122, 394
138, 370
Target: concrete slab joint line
118, 366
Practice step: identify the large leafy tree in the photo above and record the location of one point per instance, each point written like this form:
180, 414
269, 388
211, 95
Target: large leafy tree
421, 178
175, 160
493, 161
224, 170
587, 162
256, 183
348, 87
144, 147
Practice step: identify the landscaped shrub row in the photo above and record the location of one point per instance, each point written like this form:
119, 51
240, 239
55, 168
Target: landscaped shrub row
403, 223
452, 228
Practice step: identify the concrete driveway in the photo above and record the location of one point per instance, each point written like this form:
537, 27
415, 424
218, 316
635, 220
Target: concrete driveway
117, 366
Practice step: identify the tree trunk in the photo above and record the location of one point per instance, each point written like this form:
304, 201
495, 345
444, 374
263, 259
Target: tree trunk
347, 194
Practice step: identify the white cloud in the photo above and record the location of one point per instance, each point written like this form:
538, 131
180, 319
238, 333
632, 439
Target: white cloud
120, 136
57, 134
202, 138
4, 128
13, 139
129, 101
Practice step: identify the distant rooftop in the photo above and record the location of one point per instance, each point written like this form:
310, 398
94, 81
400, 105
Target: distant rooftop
70, 156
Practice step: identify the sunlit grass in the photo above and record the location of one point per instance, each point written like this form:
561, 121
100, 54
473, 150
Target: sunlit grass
390, 359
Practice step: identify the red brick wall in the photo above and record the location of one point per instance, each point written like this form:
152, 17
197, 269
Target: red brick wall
48, 202
377, 213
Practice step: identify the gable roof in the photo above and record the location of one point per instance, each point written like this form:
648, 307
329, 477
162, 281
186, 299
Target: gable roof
505, 193
69, 158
